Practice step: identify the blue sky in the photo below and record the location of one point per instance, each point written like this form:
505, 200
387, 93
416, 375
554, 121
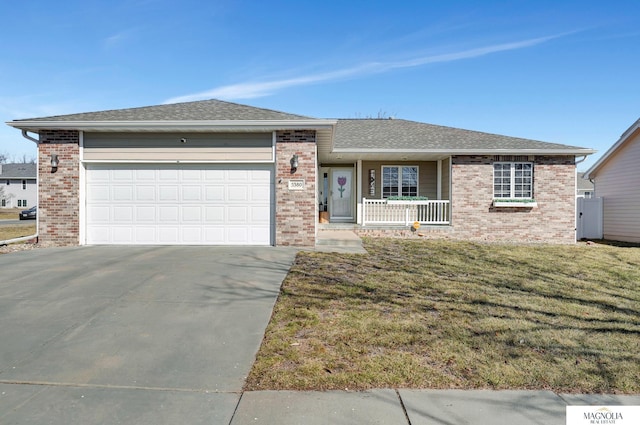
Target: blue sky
558, 71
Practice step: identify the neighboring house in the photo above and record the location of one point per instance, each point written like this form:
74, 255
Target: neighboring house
214, 172
616, 175
18, 188
584, 188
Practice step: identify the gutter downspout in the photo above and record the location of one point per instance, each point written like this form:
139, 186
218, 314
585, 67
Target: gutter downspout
578, 161
26, 136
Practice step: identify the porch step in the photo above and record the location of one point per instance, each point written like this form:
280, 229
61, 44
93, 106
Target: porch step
339, 241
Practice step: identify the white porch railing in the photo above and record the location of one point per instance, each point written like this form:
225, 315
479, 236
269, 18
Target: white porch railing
382, 211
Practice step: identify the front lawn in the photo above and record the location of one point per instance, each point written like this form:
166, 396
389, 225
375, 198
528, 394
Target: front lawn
443, 314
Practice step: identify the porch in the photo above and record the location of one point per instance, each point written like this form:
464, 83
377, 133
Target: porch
374, 193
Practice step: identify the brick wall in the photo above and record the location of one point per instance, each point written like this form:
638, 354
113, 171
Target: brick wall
58, 204
475, 218
296, 210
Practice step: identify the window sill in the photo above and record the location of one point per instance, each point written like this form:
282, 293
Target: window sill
511, 204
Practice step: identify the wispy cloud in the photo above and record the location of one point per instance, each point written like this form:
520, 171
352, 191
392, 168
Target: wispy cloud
117, 39
250, 90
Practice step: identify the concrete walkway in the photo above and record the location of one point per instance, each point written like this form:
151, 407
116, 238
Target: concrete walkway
339, 240
415, 407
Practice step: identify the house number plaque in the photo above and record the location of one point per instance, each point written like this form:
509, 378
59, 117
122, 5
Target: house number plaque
296, 185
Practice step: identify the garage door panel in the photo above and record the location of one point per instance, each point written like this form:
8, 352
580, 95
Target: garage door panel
145, 175
99, 193
261, 193
191, 193
237, 235
168, 235
99, 234
122, 235
122, 175
237, 193
168, 193
123, 214
192, 214
122, 193
214, 193
146, 193
179, 204
237, 214
238, 175
168, 174
145, 214
192, 175
100, 213
214, 214
169, 214
145, 235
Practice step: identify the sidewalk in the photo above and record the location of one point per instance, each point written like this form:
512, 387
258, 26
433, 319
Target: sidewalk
415, 407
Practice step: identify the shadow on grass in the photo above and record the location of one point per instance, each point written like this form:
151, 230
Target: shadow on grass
532, 304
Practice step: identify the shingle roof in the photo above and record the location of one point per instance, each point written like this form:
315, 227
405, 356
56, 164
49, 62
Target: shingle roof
350, 134
201, 110
18, 171
385, 134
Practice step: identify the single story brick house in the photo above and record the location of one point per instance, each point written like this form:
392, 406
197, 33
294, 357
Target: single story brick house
221, 173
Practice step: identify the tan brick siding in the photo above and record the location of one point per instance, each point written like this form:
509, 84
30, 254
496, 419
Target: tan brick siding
296, 210
475, 218
58, 204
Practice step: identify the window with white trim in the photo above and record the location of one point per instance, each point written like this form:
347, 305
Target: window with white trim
24, 185
19, 202
399, 181
513, 180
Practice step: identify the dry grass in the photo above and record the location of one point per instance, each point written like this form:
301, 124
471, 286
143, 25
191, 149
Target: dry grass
442, 314
17, 230
10, 213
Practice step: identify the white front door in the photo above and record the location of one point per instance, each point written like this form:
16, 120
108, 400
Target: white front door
341, 200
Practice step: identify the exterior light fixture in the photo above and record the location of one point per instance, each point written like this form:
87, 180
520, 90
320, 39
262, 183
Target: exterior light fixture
54, 162
294, 163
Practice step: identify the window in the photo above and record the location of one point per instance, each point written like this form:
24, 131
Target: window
19, 202
8, 182
4, 202
24, 184
399, 181
24, 202
512, 180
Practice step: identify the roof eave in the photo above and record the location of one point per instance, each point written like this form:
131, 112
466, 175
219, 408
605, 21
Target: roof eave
605, 157
567, 151
174, 125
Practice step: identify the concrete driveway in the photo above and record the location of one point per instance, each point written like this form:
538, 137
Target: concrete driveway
144, 335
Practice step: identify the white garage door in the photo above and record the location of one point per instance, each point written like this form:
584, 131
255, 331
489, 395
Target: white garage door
179, 204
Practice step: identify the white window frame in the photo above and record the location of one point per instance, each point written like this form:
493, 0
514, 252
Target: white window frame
399, 167
24, 185
512, 180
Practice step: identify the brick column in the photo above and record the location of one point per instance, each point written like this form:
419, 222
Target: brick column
58, 192
296, 210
